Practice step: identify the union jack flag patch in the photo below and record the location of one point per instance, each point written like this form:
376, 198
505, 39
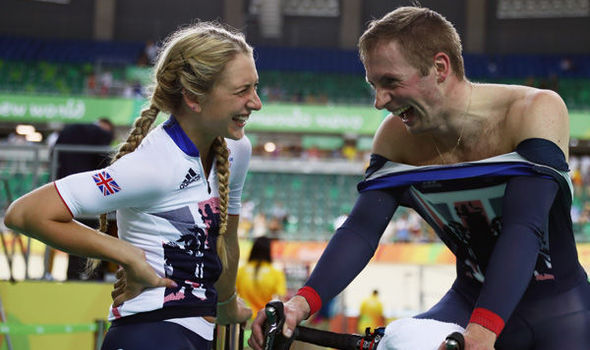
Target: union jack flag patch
105, 183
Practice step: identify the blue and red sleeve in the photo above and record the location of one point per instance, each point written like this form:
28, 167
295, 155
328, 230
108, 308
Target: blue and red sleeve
526, 206
351, 248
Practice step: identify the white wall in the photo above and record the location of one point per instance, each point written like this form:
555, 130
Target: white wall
403, 289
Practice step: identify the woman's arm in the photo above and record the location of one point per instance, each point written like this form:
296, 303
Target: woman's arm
41, 214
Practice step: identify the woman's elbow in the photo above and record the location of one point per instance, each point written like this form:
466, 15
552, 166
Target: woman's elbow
14, 218
36, 209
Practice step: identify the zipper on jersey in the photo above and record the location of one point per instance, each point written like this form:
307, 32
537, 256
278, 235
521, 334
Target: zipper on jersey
205, 178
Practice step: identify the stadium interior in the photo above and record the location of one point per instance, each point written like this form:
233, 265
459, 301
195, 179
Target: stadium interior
70, 61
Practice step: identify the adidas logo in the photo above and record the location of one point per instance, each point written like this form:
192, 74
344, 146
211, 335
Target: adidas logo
190, 177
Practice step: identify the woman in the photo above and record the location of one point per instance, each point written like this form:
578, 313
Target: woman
176, 202
259, 281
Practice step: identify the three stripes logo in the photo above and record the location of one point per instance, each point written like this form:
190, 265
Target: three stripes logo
190, 177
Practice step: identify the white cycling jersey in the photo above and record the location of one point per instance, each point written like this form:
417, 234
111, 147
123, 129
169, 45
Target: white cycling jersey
167, 207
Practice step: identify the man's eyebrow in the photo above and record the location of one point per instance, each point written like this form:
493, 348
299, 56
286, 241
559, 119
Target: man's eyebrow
384, 80
388, 79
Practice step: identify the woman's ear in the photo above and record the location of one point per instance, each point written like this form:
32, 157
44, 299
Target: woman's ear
442, 66
191, 102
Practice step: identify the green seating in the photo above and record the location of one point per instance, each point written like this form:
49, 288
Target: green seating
308, 87
313, 201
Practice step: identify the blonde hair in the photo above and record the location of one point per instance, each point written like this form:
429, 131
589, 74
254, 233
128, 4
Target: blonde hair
191, 60
421, 33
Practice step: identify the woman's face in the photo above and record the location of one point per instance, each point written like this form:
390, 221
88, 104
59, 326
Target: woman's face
226, 109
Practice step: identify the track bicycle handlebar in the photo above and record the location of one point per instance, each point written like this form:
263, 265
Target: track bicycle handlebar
274, 339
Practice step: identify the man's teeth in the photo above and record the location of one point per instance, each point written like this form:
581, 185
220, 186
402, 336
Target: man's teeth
400, 110
241, 119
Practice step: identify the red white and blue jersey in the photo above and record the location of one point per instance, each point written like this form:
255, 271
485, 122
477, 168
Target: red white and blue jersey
167, 207
463, 204
506, 219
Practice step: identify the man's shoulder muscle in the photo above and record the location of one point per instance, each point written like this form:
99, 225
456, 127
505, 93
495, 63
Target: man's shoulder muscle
540, 114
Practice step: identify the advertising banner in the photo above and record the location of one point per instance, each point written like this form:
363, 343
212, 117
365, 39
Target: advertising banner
316, 119
63, 109
274, 117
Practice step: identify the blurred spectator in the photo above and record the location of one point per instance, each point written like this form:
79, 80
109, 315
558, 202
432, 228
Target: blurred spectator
258, 281
91, 85
278, 219
133, 89
246, 224
371, 313
16, 139
148, 56
106, 83
389, 233
100, 133
312, 153
151, 51
584, 222
259, 228
415, 225
349, 150
566, 66
402, 228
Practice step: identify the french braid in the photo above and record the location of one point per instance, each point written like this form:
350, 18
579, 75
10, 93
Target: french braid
222, 170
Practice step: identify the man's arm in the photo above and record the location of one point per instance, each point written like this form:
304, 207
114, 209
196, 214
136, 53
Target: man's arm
540, 114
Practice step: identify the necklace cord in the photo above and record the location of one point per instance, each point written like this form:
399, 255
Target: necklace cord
443, 159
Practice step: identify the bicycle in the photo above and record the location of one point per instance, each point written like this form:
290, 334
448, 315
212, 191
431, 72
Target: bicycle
274, 339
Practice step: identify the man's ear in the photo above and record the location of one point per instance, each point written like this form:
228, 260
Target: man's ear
442, 66
191, 101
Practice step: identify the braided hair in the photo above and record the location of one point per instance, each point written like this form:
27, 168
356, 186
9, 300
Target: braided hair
189, 63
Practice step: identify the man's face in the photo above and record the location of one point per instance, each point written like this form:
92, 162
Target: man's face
401, 88
226, 109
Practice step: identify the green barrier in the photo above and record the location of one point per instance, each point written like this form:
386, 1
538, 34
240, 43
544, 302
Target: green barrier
247, 335
25, 329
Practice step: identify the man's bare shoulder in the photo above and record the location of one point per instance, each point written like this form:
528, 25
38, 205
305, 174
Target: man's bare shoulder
389, 139
539, 113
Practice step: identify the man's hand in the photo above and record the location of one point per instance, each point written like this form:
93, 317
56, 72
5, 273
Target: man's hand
296, 310
476, 338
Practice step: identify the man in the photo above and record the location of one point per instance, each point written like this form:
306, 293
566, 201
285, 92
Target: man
97, 134
486, 166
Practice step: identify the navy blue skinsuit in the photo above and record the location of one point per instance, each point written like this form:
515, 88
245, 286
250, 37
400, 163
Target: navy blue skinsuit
506, 219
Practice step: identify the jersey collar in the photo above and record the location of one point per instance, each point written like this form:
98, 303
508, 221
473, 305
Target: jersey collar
179, 137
